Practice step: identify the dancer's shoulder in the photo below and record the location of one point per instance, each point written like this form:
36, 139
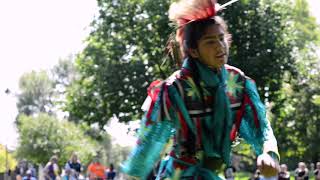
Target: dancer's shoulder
233, 69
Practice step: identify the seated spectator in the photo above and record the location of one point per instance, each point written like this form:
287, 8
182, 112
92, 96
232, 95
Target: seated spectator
284, 174
257, 175
317, 171
302, 172
21, 169
111, 173
74, 166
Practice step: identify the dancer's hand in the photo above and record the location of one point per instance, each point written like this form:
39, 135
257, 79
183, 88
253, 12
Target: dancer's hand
267, 165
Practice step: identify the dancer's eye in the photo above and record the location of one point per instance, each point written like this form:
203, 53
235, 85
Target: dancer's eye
211, 42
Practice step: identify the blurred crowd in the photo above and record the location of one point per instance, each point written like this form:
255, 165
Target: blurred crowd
300, 173
72, 170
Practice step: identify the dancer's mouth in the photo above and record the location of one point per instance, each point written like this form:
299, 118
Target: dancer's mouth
221, 55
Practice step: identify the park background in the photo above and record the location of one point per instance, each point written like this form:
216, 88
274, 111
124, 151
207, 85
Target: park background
74, 74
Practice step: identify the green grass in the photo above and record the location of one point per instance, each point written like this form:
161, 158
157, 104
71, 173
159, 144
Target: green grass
247, 175
243, 175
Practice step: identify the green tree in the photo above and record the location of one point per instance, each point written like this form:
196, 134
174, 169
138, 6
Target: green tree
43, 136
263, 41
298, 123
277, 49
36, 93
44, 91
123, 56
295, 111
64, 73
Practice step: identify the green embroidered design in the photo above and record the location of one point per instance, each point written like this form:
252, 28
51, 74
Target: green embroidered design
233, 85
192, 90
205, 91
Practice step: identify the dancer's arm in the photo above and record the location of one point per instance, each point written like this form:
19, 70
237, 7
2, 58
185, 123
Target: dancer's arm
256, 129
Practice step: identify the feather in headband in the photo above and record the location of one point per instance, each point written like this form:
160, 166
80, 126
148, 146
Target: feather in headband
186, 11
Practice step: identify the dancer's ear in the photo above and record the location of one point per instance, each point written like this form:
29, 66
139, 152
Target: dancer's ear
193, 53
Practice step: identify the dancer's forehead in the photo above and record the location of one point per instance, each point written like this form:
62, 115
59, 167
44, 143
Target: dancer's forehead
213, 32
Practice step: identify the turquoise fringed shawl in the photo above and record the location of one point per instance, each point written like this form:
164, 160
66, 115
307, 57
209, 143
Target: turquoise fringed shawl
151, 142
217, 143
255, 136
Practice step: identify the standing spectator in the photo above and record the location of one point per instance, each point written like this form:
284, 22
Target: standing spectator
111, 173
51, 170
32, 169
21, 169
9, 172
302, 172
317, 171
74, 166
96, 171
284, 174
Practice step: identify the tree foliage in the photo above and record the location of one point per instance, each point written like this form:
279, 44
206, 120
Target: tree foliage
64, 73
262, 42
43, 136
278, 49
295, 111
123, 56
297, 124
36, 93
44, 91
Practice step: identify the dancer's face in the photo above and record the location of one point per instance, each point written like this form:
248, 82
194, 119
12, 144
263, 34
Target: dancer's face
213, 49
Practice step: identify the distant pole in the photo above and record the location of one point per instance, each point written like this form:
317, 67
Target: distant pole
7, 91
6, 173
